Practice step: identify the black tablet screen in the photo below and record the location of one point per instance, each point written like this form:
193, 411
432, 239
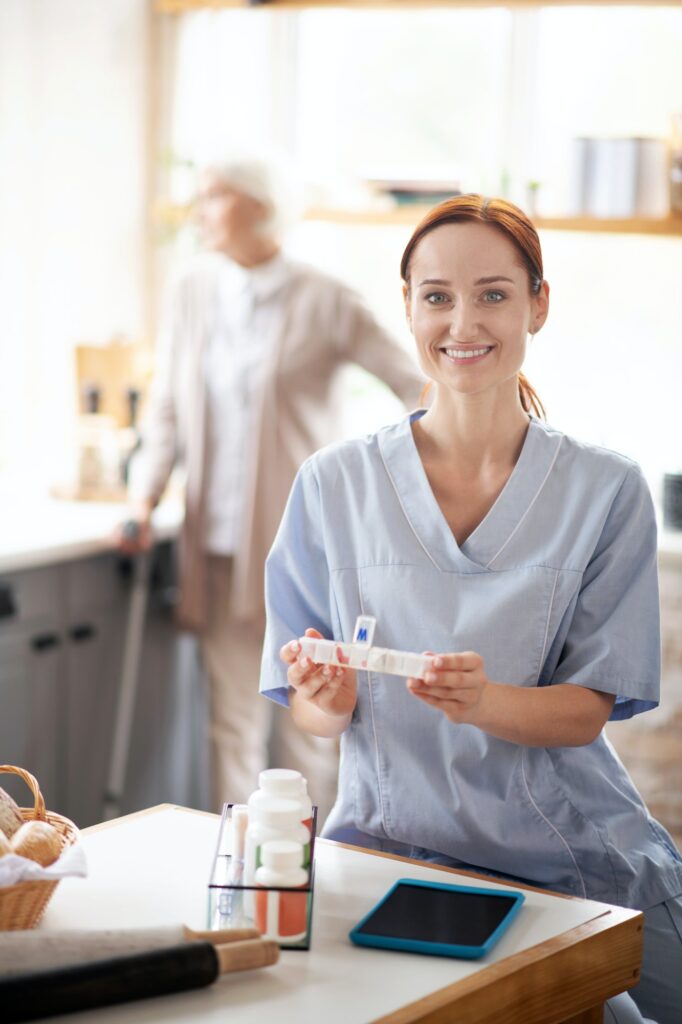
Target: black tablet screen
438, 915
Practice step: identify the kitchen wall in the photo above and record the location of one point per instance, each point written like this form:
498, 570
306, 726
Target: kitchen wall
74, 206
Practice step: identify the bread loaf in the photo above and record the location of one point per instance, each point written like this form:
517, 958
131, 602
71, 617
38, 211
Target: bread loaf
10, 815
37, 840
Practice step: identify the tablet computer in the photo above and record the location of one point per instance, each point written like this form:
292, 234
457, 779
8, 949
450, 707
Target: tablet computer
437, 918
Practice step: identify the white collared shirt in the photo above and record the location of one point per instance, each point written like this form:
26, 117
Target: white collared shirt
248, 311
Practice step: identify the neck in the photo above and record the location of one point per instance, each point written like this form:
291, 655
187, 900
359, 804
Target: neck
473, 431
253, 251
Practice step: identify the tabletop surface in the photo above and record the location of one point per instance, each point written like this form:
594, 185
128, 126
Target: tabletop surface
152, 869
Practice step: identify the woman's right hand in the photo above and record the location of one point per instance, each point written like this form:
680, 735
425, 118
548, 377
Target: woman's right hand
331, 688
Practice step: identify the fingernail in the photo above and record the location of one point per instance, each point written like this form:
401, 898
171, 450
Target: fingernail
430, 677
294, 646
339, 672
437, 662
327, 672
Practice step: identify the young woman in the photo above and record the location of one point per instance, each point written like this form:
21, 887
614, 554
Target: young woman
526, 562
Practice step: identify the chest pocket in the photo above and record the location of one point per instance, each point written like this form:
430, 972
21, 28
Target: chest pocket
503, 616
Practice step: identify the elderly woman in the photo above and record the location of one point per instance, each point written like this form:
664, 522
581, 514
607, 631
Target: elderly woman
247, 359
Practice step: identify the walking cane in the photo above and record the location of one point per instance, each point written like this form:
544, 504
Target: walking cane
130, 670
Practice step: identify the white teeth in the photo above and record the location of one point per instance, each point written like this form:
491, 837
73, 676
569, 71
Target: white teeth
458, 353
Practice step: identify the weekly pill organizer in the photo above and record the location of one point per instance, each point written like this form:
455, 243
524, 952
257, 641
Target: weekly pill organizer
360, 653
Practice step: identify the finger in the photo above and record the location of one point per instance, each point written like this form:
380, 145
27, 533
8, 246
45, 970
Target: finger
301, 670
462, 661
340, 655
290, 652
460, 695
320, 680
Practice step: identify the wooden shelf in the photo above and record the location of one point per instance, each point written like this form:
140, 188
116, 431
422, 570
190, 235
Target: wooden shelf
185, 6
410, 214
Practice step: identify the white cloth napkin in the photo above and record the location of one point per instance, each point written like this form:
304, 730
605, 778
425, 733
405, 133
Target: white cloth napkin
71, 862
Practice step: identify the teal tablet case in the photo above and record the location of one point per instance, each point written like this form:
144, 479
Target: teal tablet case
439, 948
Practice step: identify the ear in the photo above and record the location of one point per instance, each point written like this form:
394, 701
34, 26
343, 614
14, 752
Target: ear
406, 300
541, 304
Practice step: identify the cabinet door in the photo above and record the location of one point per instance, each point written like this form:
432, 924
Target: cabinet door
168, 759
31, 711
93, 651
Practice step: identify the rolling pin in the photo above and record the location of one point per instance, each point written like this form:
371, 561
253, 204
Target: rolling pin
123, 979
23, 951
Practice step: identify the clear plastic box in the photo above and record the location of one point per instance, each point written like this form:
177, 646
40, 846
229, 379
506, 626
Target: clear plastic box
231, 904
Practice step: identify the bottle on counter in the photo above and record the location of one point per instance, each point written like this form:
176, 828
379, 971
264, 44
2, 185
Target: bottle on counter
97, 466
269, 818
282, 916
130, 439
290, 784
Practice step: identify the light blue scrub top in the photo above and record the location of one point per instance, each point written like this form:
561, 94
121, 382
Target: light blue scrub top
557, 584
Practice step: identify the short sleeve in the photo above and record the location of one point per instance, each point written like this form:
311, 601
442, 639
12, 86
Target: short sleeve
297, 588
612, 643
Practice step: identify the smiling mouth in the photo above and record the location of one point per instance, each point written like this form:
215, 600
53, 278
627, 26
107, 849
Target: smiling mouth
465, 355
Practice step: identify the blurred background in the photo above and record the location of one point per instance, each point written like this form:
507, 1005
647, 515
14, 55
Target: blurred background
573, 112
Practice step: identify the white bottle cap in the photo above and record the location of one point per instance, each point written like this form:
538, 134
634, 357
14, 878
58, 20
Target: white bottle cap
282, 854
276, 812
280, 781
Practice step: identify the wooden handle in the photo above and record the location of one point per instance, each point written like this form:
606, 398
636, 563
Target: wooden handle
245, 956
32, 783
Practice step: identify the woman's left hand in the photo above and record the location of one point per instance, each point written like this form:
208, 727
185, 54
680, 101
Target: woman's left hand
456, 685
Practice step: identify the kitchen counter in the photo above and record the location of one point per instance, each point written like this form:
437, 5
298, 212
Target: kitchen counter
40, 530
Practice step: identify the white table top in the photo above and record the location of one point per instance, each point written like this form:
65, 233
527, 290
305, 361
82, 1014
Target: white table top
152, 869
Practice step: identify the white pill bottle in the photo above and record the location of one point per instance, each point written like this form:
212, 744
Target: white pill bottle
281, 915
290, 784
270, 817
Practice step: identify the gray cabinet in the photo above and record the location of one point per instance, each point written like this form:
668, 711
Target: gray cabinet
62, 632
31, 683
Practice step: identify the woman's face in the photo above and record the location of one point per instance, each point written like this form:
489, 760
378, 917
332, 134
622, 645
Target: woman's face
470, 308
227, 218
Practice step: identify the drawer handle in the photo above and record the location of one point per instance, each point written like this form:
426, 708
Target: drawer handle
81, 632
45, 641
8, 607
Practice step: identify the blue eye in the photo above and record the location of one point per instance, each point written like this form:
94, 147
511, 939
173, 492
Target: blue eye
436, 298
493, 297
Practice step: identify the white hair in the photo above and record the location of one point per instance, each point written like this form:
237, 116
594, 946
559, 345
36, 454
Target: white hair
271, 180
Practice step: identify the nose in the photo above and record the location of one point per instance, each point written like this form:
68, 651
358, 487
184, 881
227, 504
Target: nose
464, 323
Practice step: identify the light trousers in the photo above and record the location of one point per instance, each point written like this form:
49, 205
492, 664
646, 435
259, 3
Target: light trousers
657, 999
248, 732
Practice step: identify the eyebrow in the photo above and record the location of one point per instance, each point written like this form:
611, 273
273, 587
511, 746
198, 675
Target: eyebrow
481, 280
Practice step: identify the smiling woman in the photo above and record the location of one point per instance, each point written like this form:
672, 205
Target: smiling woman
523, 562
489, 237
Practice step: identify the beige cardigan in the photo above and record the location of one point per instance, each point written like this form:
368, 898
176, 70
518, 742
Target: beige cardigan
325, 326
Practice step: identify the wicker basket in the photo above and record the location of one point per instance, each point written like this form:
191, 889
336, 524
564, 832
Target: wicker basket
22, 905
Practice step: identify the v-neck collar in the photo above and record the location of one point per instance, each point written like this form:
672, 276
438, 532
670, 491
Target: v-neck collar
482, 547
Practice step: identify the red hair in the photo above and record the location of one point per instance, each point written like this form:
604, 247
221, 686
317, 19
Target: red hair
513, 223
